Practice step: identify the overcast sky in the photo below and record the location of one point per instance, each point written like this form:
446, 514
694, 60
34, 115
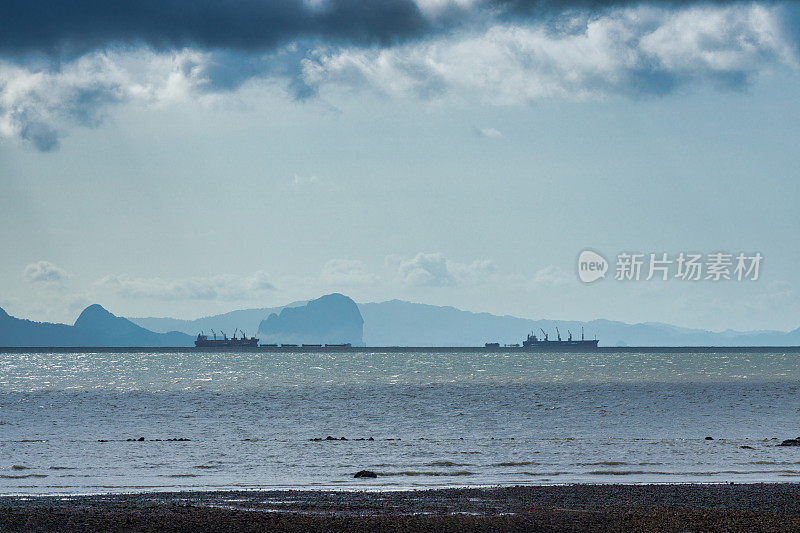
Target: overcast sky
175, 158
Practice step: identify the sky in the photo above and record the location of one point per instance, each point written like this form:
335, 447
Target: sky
182, 159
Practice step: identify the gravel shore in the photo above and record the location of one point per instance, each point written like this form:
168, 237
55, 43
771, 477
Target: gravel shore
745, 507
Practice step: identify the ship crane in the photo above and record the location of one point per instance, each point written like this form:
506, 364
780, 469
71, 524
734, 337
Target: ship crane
532, 343
204, 342
214, 333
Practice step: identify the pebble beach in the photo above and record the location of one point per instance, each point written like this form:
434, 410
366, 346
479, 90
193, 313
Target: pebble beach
585, 507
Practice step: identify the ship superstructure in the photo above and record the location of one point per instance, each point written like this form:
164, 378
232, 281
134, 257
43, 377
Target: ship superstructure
204, 342
533, 341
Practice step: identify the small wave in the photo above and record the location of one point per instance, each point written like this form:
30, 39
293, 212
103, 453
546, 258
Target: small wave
710, 473
63, 468
628, 472
516, 463
542, 473
181, 475
21, 476
606, 463
446, 463
427, 473
19, 467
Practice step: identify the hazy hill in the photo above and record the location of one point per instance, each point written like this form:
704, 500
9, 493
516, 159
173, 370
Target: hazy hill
331, 319
244, 319
94, 327
21, 332
106, 329
399, 323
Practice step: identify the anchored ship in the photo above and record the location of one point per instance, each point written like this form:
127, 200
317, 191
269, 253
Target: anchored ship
204, 342
535, 342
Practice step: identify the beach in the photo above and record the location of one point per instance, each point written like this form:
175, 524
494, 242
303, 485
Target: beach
584, 507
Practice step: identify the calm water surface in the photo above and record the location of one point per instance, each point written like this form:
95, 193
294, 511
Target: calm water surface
437, 419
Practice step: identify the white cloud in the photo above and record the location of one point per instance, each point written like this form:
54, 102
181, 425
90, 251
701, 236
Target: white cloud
551, 276
488, 132
37, 104
44, 272
434, 270
780, 290
347, 272
422, 270
583, 55
301, 182
220, 287
625, 51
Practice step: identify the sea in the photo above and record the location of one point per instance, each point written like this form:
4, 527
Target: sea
89, 422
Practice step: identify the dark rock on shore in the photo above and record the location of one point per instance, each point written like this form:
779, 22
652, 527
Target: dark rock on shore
790, 442
365, 474
329, 438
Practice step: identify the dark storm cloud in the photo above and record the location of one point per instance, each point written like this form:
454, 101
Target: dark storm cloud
60, 65
72, 27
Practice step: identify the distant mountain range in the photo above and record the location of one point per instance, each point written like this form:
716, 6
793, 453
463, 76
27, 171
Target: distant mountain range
247, 320
391, 323
94, 327
401, 323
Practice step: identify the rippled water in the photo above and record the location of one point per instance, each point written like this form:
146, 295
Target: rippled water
437, 419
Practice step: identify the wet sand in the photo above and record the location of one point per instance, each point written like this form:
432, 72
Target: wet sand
740, 507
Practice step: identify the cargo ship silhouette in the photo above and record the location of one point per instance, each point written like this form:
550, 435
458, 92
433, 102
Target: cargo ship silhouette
204, 342
533, 342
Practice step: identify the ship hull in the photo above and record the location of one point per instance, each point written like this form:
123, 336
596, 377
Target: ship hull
560, 345
229, 343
